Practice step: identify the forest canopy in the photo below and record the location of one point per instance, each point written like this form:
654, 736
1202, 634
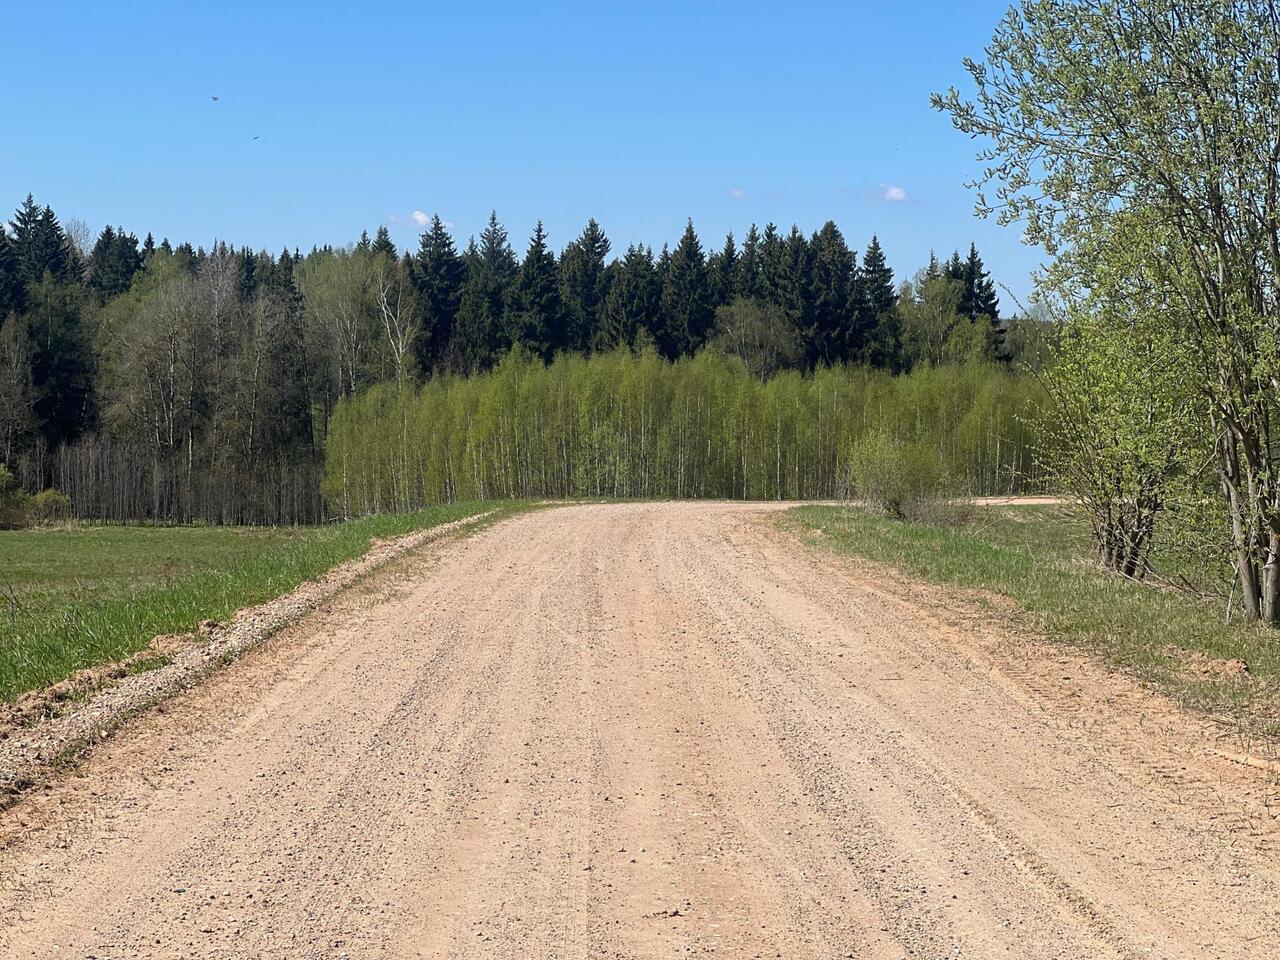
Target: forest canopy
158, 381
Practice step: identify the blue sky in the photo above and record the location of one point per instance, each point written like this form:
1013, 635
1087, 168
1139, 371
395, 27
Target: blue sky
637, 114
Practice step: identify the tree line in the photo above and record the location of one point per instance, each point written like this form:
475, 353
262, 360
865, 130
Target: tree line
157, 381
636, 425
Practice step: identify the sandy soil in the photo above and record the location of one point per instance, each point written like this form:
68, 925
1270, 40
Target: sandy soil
649, 731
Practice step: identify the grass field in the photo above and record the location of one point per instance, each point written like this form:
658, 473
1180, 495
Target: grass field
78, 597
1038, 558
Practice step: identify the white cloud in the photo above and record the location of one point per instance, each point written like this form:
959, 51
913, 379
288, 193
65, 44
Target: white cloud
893, 194
418, 218
737, 193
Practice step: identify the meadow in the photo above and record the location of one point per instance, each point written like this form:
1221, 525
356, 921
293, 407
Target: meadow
79, 596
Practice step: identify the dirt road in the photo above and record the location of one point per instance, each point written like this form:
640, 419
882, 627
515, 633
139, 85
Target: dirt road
649, 731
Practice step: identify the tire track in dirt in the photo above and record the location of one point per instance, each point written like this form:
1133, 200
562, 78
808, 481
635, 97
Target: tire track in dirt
648, 730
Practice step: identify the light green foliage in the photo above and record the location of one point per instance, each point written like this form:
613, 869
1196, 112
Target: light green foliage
1107, 114
50, 506
895, 476
635, 425
1125, 431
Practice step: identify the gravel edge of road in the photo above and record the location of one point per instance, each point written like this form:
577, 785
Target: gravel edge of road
31, 756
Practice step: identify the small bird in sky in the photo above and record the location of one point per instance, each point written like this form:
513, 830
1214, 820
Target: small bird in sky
214, 99
257, 138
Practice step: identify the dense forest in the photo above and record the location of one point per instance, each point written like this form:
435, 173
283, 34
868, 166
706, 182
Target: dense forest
630, 425
157, 381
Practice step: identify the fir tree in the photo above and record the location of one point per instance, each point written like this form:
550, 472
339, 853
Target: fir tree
584, 281
439, 276
148, 248
535, 317
686, 314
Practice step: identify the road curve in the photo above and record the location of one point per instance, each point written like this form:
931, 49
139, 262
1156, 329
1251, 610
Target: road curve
650, 730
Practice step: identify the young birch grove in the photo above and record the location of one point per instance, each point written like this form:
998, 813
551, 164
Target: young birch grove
634, 425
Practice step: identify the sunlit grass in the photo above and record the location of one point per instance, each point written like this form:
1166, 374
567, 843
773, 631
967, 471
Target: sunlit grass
79, 597
1040, 558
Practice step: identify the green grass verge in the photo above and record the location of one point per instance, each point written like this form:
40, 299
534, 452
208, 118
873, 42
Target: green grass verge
1037, 557
82, 596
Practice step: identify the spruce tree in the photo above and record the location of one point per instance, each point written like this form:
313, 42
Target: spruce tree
632, 302
747, 282
479, 326
247, 283
495, 250
773, 266
535, 316
722, 272
794, 282
829, 337
686, 313
113, 262
584, 286
39, 244
383, 245
979, 299
439, 276
10, 283
876, 337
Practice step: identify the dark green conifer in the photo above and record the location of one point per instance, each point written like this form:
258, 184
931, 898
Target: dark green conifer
829, 338
687, 314
584, 282
439, 276
877, 339
631, 304
722, 272
383, 245
535, 316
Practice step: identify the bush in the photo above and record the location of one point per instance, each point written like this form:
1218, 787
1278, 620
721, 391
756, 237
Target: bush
50, 506
14, 502
896, 477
